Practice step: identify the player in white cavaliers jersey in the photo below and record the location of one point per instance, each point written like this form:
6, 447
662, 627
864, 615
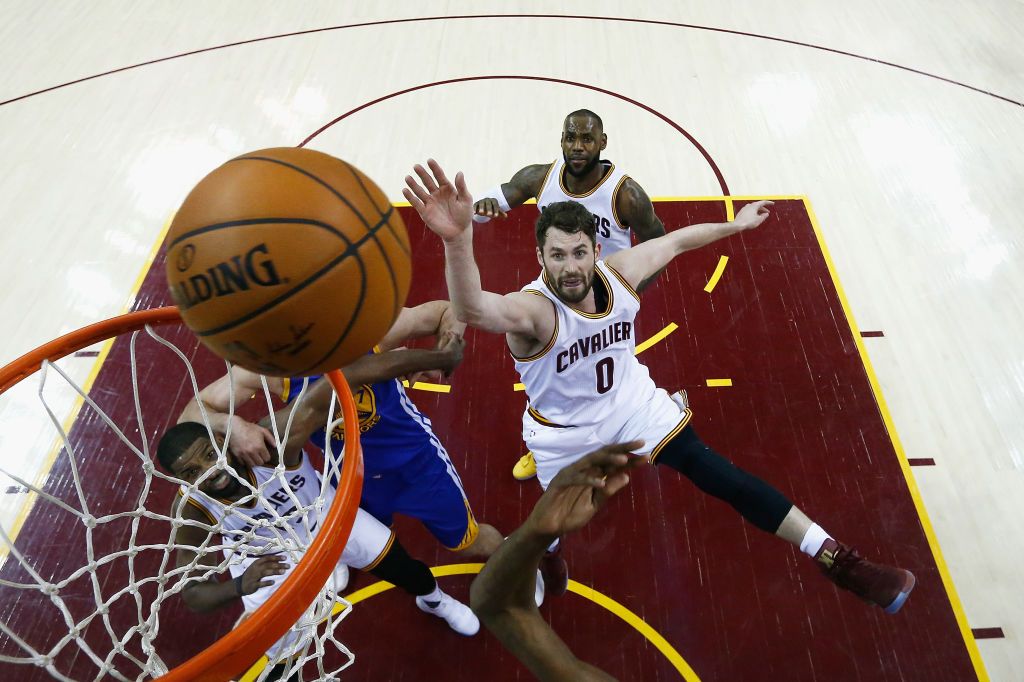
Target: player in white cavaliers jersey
618, 203
574, 319
283, 499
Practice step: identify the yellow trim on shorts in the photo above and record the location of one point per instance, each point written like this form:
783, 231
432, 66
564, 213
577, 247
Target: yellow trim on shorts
622, 279
687, 414
286, 388
541, 419
380, 557
472, 530
551, 342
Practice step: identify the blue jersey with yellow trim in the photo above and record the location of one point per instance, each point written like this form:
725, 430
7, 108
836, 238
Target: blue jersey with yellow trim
392, 431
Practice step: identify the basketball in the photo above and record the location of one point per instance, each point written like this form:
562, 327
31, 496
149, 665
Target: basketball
288, 262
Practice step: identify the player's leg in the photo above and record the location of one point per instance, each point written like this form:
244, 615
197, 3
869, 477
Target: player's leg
770, 510
553, 449
433, 493
374, 549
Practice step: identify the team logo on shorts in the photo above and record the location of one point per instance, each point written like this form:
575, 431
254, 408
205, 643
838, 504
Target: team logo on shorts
366, 408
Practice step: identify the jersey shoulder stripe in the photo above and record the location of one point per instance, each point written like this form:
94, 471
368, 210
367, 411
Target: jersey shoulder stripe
551, 342
615, 203
622, 280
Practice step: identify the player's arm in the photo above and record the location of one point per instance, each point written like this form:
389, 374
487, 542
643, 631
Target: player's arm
502, 595
498, 201
204, 595
252, 444
433, 318
643, 261
636, 211
446, 208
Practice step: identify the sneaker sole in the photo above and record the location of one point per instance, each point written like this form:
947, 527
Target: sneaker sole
901, 598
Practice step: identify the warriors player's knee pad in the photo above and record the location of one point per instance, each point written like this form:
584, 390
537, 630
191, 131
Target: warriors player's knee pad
400, 569
758, 502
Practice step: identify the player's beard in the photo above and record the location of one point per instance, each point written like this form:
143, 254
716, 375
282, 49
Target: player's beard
228, 491
589, 166
577, 295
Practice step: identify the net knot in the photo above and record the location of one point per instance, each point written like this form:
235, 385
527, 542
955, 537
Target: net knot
89, 521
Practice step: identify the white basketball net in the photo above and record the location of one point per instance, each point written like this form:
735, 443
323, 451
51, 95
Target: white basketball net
100, 617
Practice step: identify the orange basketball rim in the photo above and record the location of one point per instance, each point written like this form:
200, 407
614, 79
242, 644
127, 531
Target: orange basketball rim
236, 651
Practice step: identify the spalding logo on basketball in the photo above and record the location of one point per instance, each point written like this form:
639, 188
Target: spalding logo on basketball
288, 262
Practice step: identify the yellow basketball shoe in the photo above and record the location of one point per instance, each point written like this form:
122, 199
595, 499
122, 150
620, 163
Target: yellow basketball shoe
525, 468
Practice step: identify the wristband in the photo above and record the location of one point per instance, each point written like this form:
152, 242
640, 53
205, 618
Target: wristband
238, 586
499, 196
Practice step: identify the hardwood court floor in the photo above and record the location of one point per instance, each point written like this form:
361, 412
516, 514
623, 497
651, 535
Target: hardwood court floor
728, 600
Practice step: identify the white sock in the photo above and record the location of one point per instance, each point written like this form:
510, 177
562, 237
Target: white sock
814, 538
435, 596
554, 545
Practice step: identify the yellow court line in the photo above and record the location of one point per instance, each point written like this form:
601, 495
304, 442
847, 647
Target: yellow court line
730, 209
717, 274
44, 471
602, 600
736, 197
669, 328
718, 382
915, 493
426, 386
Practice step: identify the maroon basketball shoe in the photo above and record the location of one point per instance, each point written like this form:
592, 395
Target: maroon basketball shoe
884, 586
555, 572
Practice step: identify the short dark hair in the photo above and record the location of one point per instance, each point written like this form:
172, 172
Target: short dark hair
589, 114
569, 217
177, 440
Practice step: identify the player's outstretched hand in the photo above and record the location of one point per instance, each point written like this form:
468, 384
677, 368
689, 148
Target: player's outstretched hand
488, 207
259, 572
451, 346
752, 215
250, 443
446, 207
579, 490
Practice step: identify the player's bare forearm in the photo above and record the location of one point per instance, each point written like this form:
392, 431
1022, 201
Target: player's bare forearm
371, 369
210, 595
643, 260
502, 596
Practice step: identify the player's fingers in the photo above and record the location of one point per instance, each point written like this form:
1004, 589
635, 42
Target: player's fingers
425, 178
421, 193
502, 214
614, 483
438, 172
460, 186
413, 201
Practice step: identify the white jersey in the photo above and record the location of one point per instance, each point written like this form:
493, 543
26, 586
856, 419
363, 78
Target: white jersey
612, 235
284, 512
588, 373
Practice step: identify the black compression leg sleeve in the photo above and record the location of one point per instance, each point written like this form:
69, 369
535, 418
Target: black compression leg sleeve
758, 502
410, 574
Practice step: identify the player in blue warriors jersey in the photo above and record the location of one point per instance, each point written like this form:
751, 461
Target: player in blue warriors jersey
407, 469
